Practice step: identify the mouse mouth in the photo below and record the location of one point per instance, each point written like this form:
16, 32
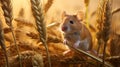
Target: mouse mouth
64, 28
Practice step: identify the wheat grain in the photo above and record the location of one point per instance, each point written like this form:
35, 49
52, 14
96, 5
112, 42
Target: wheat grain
86, 2
7, 9
21, 12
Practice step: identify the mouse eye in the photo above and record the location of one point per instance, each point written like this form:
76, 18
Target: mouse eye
71, 22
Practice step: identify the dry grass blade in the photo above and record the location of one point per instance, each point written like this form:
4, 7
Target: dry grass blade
2, 43
38, 14
113, 58
22, 21
7, 9
115, 11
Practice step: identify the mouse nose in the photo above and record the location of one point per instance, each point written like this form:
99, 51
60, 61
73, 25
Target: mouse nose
64, 28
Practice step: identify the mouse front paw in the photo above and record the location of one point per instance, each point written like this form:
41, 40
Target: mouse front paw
76, 44
65, 41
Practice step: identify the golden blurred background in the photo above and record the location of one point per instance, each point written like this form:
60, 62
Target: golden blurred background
70, 6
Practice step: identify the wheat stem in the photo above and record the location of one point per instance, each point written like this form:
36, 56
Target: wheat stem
90, 55
38, 14
86, 12
7, 9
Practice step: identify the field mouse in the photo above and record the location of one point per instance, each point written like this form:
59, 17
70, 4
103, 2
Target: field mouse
75, 32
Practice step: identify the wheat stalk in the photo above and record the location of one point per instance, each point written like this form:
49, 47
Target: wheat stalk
104, 22
7, 9
2, 44
90, 55
38, 14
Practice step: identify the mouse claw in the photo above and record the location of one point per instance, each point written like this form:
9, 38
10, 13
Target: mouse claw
65, 41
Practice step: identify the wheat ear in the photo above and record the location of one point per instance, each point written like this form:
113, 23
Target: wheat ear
7, 9
104, 24
106, 28
38, 14
99, 20
2, 44
48, 5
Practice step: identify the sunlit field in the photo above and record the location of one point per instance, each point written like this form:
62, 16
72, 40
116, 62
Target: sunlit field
32, 33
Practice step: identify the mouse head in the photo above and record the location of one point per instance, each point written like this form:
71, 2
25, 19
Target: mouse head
72, 22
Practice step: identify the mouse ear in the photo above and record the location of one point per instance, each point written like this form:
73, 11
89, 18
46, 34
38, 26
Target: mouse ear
80, 15
63, 14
